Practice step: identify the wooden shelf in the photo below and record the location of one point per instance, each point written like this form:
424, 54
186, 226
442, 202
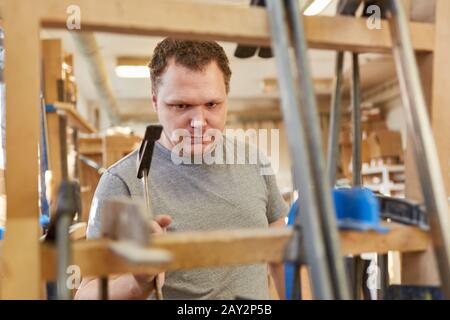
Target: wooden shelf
74, 118
231, 247
392, 187
378, 170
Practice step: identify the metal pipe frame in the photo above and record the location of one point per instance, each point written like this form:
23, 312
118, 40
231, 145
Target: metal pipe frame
425, 151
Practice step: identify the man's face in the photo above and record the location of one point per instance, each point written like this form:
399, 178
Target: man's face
191, 100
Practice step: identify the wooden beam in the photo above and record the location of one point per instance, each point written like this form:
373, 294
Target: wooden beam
440, 112
248, 25
74, 118
21, 258
232, 247
54, 152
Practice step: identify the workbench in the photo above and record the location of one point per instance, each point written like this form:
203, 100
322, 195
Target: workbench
226, 247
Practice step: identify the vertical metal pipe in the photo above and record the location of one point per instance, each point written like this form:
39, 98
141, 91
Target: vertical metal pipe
322, 188
314, 243
63, 145
148, 201
356, 123
64, 255
104, 288
424, 147
335, 120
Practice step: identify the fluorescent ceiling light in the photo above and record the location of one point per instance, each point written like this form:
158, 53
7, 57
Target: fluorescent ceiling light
132, 67
132, 72
316, 7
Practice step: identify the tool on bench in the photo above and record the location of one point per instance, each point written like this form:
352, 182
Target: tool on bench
152, 133
404, 211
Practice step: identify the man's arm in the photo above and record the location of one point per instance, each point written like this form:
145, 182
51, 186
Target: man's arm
277, 269
122, 287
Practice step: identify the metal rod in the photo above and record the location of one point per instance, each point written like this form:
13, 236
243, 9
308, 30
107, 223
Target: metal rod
424, 147
382, 264
297, 288
322, 189
64, 256
63, 145
156, 282
335, 120
314, 243
104, 288
148, 201
356, 120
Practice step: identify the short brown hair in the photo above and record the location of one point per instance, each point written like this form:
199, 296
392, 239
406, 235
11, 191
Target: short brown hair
194, 55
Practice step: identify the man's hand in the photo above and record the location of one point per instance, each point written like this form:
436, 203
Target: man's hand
145, 281
125, 286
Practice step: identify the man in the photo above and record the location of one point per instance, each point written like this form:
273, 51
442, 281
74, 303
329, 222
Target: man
190, 83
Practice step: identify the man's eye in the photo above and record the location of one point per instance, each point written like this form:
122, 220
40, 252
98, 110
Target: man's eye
181, 106
211, 105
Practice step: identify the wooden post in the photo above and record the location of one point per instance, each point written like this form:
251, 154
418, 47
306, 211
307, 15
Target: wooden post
21, 254
52, 55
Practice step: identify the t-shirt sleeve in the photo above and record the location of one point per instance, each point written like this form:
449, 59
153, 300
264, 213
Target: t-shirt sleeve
276, 206
108, 187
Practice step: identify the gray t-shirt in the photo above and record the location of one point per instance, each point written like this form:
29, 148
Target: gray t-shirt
200, 197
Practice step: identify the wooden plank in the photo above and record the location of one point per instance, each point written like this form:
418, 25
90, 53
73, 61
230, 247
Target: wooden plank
217, 248
54, 152
90, 146
352, 34
74, 118
89, 178
215, 21
52, 58
440, 114
115, 147
21, 258
190, 250
399, 238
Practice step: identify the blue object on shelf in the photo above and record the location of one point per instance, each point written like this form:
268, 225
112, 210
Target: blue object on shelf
357, 209
2, 233
50, 108
44, 220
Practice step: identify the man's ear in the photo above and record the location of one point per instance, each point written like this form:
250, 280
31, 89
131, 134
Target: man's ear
154, 101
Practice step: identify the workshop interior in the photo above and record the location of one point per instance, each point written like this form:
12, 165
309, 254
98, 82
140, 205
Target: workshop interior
347, 100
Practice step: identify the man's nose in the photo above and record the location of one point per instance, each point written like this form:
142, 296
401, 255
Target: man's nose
198, 119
